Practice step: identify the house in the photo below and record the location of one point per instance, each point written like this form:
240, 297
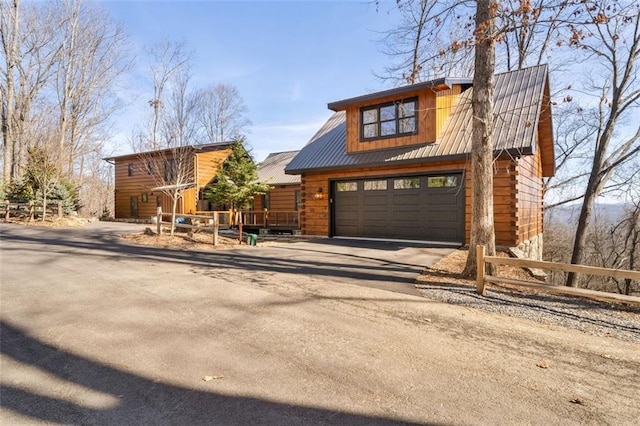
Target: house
142, 179
284, 194
395, 164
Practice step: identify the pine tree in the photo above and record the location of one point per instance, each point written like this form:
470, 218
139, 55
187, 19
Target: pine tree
236, 183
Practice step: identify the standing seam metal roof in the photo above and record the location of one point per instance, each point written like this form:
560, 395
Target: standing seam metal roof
518, 99
271, 170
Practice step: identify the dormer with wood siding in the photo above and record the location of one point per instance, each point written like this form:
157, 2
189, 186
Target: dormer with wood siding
408, 116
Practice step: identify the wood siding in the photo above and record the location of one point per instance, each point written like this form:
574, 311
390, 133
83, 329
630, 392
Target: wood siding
136, 185
426, 123
529, 197
281, 198
206, 165
315, 216
444, 104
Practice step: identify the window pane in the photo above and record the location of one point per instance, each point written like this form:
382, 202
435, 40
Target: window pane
370, 131
388, 113
346, 186
375, 185
407, 109
408, 183
407, 125
369, 116
442, 181
388, 128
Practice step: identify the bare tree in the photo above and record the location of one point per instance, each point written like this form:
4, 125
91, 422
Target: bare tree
92, 58
609, 34
422, 47
28, 43
167, 59
222, 113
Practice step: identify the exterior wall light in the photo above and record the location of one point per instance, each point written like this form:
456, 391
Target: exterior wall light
318, 195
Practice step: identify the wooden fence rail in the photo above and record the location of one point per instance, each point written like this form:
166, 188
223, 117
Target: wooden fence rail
482, 278
198, 221
29, 209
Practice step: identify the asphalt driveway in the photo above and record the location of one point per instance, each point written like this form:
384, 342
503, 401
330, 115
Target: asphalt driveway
96, 331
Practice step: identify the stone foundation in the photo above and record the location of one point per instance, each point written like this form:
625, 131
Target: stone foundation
532, 249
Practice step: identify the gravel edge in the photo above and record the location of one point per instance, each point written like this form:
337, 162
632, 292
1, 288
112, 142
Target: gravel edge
586, 315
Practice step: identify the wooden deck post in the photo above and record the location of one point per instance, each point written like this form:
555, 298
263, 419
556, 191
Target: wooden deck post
159, 220
480, 269
216, 227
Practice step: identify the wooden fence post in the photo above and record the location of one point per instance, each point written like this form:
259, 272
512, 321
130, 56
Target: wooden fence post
159, 220
59, 210
6, 212
32, 210
480, 269
216, 227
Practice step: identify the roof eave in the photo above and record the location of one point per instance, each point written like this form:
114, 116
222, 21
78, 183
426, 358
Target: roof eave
437, 84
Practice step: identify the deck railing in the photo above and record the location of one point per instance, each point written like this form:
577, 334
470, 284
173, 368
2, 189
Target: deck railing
267, 219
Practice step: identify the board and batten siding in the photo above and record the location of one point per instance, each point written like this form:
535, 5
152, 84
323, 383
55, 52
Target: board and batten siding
315, 215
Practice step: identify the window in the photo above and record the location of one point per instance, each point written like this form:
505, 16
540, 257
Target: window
442, 181
149, 167
346, 186
145, 197
375, 185
406, 183
170, 170
388, 120
297, 200
130, 169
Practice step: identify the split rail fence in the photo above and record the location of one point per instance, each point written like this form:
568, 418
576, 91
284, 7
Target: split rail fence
29, 210
211, 222
483, 279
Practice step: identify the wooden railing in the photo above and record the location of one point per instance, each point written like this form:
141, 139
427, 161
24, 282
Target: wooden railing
271, 218
482, 278
28, 210
261, 218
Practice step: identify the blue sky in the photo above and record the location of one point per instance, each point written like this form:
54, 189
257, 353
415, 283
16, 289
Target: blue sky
288, 59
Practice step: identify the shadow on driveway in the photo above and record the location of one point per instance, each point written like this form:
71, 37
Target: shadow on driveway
140, 400
361, 263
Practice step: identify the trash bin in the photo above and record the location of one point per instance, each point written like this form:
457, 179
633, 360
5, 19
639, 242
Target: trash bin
252, 239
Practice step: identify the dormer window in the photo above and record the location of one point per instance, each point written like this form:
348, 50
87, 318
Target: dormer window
391, 119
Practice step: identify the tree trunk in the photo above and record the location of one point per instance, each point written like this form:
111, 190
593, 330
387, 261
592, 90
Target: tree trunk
10, 48
174, 207
482, 229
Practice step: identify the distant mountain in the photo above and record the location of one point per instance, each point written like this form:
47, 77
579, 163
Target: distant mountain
569, 214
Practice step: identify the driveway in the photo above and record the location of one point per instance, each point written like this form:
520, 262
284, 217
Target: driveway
95, 331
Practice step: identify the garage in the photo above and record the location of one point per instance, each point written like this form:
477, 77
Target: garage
429, 207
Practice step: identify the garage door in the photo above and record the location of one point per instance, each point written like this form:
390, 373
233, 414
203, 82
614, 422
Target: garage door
412, 207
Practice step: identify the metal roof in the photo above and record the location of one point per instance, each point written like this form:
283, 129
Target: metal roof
518, 100
199, 147
271, 170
